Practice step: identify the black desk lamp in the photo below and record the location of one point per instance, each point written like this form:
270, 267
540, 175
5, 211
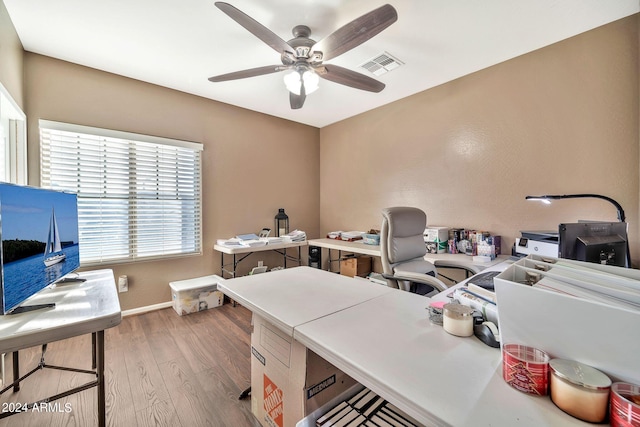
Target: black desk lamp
547, 199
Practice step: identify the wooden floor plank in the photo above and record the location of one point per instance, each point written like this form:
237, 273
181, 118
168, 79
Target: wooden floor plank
161, 369
188, 397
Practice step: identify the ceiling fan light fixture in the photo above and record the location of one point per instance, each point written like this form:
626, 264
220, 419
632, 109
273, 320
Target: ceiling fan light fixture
292, 81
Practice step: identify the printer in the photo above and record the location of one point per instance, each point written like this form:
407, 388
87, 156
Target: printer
543, 243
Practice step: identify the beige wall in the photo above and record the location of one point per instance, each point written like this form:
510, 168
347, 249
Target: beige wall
245, 180
560, 120
11, 63
563, 119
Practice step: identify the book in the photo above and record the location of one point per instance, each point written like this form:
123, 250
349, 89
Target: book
250, 236
488, 309
482, 292
484, 280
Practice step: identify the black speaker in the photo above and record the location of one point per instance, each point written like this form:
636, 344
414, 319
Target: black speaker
315, 257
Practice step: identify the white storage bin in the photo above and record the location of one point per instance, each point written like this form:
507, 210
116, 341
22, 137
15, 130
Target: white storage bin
598, 334
193, 295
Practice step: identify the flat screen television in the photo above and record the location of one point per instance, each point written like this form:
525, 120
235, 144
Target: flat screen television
598, 242
40, 245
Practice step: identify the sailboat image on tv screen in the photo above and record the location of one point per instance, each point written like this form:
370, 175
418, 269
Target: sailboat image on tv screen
53, 251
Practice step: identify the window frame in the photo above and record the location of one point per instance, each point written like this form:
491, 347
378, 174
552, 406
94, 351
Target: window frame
132, 144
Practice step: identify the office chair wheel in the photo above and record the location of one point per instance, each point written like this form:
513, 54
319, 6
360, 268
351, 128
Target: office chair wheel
246, 393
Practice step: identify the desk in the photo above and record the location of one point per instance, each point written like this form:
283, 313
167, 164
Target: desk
459, 261
387, 343
81, 308
310, 294
280, 248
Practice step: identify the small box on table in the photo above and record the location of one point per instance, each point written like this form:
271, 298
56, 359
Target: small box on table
436, 239
193, 295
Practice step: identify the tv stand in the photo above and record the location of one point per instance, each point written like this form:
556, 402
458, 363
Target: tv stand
27, 308
74, 315
69, 280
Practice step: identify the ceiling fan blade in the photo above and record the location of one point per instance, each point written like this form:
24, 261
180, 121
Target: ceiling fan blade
255, 28
350, 78
356, 32
252, 72
297, 101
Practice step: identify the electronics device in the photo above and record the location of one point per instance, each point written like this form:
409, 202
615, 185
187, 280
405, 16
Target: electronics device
543, 243
315, 256
40, 242
591, 241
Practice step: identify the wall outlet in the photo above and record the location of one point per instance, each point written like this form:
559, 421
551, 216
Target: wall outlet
123, 284
260, 263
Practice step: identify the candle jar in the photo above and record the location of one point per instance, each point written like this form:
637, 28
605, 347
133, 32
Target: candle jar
579, 390
624, 406
457, 319
526, 369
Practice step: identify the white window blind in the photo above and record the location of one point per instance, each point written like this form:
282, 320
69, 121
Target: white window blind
139, 196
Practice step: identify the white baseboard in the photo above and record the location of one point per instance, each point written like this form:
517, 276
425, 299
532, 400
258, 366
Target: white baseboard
147, 309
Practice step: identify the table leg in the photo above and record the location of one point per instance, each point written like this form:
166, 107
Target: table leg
16, 371
93, 350
100, 374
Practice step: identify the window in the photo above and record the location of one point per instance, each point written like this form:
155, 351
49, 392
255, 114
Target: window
13, 141
139, 196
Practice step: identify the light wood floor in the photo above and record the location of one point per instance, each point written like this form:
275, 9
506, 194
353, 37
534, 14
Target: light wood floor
161, 370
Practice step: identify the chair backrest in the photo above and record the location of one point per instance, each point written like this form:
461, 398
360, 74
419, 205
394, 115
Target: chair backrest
401, 236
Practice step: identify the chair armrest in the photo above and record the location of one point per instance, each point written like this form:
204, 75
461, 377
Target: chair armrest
471, 269
420, 278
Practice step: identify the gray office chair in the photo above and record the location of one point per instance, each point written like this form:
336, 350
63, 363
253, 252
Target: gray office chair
402, 249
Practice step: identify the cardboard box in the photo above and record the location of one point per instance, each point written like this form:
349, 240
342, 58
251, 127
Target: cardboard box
355, 266
193, 295
288, 381
436, 239
436, 234
595, 333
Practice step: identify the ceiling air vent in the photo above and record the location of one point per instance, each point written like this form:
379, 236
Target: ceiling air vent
381, 64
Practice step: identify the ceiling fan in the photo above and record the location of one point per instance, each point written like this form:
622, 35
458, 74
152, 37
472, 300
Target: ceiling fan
303, 57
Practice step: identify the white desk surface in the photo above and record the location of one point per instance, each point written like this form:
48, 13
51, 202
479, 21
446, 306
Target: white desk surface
341, 245
81, 308
389, 345
294, 296
246, 249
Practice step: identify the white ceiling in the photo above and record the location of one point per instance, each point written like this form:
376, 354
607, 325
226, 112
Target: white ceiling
180, 44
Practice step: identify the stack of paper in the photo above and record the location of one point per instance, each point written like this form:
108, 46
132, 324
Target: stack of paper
351, 235
295, 236
250, 236
232, 243
272, 240
253, 243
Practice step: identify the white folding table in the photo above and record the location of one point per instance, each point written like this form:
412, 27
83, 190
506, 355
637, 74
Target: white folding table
245, 251
456, 261
87, 307
383, 339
